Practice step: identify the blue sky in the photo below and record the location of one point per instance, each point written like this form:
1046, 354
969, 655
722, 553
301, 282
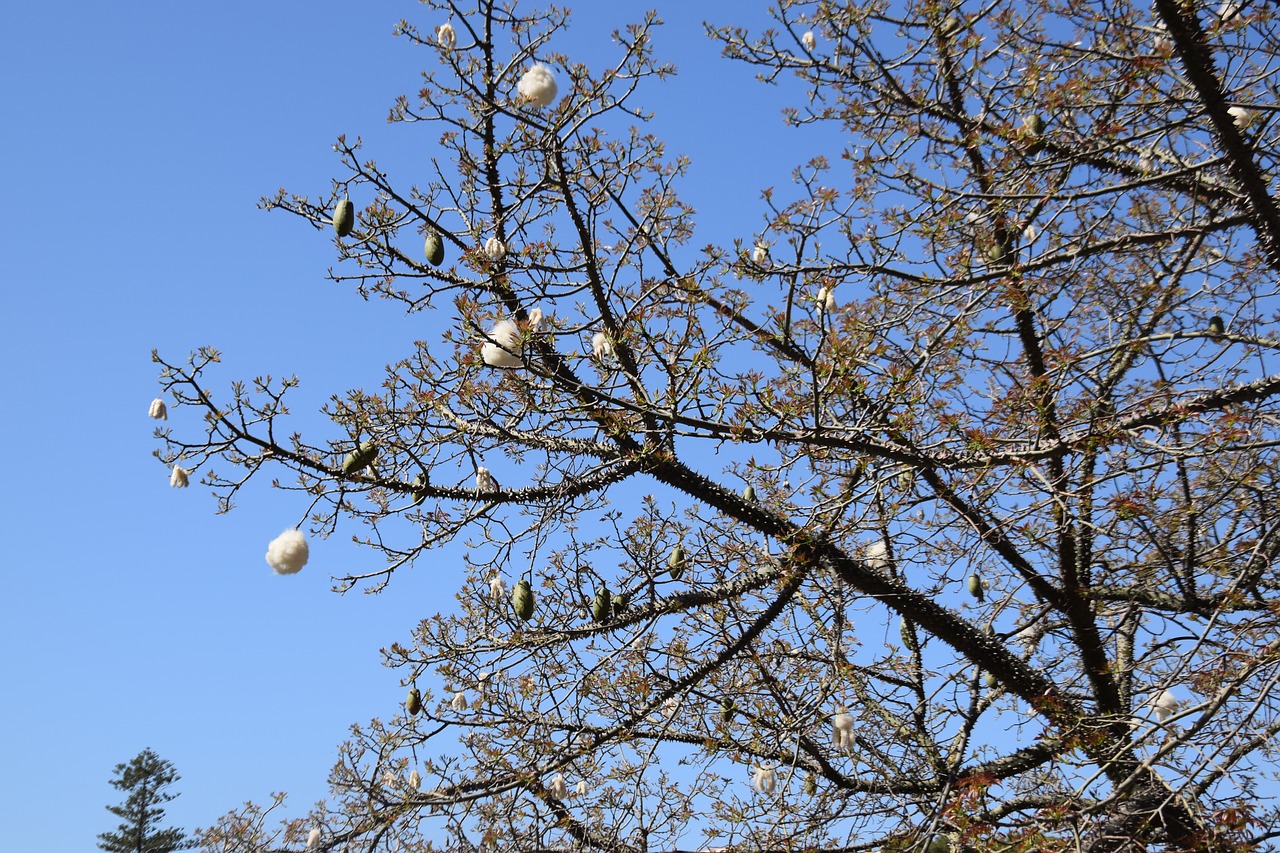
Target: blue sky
138, 138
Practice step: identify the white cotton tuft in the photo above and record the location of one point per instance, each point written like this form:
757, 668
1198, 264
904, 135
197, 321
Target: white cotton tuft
765, 780
485, 481
538, 85
288, 552
558, 788
876, 555
1241, 116
180, 477
601, 347
1165, 705
760, 254
415, 780
809, 40
313, 839
827, 299
495, 249
503, 347
459, 702
497, 589
446, 37
535, 319
580, 790
842, 729
158, 410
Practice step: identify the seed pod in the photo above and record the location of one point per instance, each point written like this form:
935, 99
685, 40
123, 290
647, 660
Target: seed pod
413, 704
601, 604
621, 601
1217, 328
975, 587
1034, 124
522, 600
344, 217
433, 248
990, 680
727, 707
749, 493
419, 481
811, 784
677, 562
360, 458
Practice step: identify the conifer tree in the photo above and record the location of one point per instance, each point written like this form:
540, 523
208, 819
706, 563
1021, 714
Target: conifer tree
147, 779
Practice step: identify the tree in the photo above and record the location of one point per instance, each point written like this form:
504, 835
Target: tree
937, 510
147, 779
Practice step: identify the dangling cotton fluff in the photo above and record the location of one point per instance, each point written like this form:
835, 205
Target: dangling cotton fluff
876, 555
580, 790
313, 839
842, 729
389, 779
180, 477
601, 347
158, 410
459, 702
1165, 705
495, 249
1241, 116
538, 86
502, 350
445, 36
497, 589
765, 780
1228, 10
485, 481
760, 254
827, 299
809, 40
558, 788
482, 684
415, 780
288, 552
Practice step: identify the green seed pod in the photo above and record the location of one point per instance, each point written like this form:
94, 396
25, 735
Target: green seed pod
990, 679
749, 493
522, 600
419, 481
360, 458
413, 704
677, 562
938, 844
433, 248
621, 601
1217, 328
600, 604
975, 587
811, 784
1034, 124
727, 707
344, 217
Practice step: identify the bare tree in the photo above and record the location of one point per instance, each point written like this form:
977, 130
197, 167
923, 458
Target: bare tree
936, 512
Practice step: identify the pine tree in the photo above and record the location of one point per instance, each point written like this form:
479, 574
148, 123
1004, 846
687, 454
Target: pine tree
146, 778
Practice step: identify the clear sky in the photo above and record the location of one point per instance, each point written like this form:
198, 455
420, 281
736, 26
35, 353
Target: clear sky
137, 140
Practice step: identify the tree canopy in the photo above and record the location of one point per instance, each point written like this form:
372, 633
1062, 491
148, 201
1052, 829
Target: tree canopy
937, 510
147, 778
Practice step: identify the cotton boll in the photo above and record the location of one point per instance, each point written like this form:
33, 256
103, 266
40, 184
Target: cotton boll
535, 319
497, 589
485, 481
158, 410
459, 702
313, 839
446, 37
502, 350
1241, 116
180, 477
415, 780
538, 86
827, 298
495, 249
876, 555
1165, 705
760, 254
580, 790
842, 729
765, 780
288, 552
558, 788
601, 347
809, 40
